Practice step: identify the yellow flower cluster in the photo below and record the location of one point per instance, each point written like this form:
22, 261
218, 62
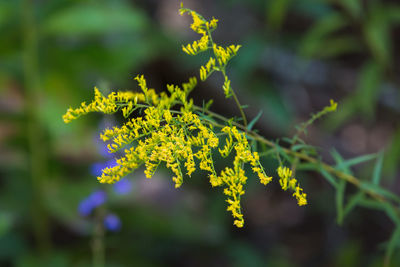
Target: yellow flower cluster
168, 132
221, 55
288, 182
107, 105
225, 54
161, 135
199, 25
173, 143
197, 46
208, 69
332, 107
234, 178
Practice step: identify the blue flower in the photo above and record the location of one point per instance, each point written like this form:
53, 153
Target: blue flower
85, 207
98, 198
103, 150
112, 222
94, 200
96, 169
123, 187
100, 145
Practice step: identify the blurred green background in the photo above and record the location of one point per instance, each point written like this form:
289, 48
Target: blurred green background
295, 56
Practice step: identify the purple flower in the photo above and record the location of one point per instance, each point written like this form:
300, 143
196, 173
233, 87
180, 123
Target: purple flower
85, 207
123, 187
100, 145
96, 169
112, 222
94, 200
103, 150
98, 198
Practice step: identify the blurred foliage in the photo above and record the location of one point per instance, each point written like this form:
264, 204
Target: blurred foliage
296, 55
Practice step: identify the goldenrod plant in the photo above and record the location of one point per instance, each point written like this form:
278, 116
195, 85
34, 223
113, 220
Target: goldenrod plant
168, 129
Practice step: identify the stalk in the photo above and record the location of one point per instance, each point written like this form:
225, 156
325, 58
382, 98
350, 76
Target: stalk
37, 154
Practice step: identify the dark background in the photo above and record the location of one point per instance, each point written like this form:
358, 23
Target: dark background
295, 56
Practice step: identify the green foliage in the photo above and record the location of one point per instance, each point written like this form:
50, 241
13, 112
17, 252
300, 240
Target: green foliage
377, 174
78, 44
85, 20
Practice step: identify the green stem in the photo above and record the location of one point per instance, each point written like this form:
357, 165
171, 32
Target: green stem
222, 69
308, 123
34, 131
240, 109
98, 239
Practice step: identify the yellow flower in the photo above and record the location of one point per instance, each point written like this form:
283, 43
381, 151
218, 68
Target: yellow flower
288, 182
333, 106
197, 46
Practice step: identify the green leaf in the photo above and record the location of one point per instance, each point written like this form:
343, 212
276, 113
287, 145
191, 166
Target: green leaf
392, 159
392, 213
368, 87
393, 13
340, 190
7, 11
208, 104
276, 12
95, 19
329, 177
305, 148
6, 221
352, 6
206, 117
371, 204
287, 140
308, 167
253, 121
267, 153
340, 162
353, 202
281, 152
344, 165
254, 145
336, 46
376, 175
393, 242
357, 160
379, 190
377, 34
312, 43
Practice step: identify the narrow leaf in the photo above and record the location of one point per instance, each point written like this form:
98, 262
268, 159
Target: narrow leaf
206, 117
254, 145
282, 152
329, 177
307, 167
358, 160
353, 202
345, 164
302, 146
340, 201
394, 240
371, 204
340, 162
376, 176
391, 213
379, 190
287, 140
253, 121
